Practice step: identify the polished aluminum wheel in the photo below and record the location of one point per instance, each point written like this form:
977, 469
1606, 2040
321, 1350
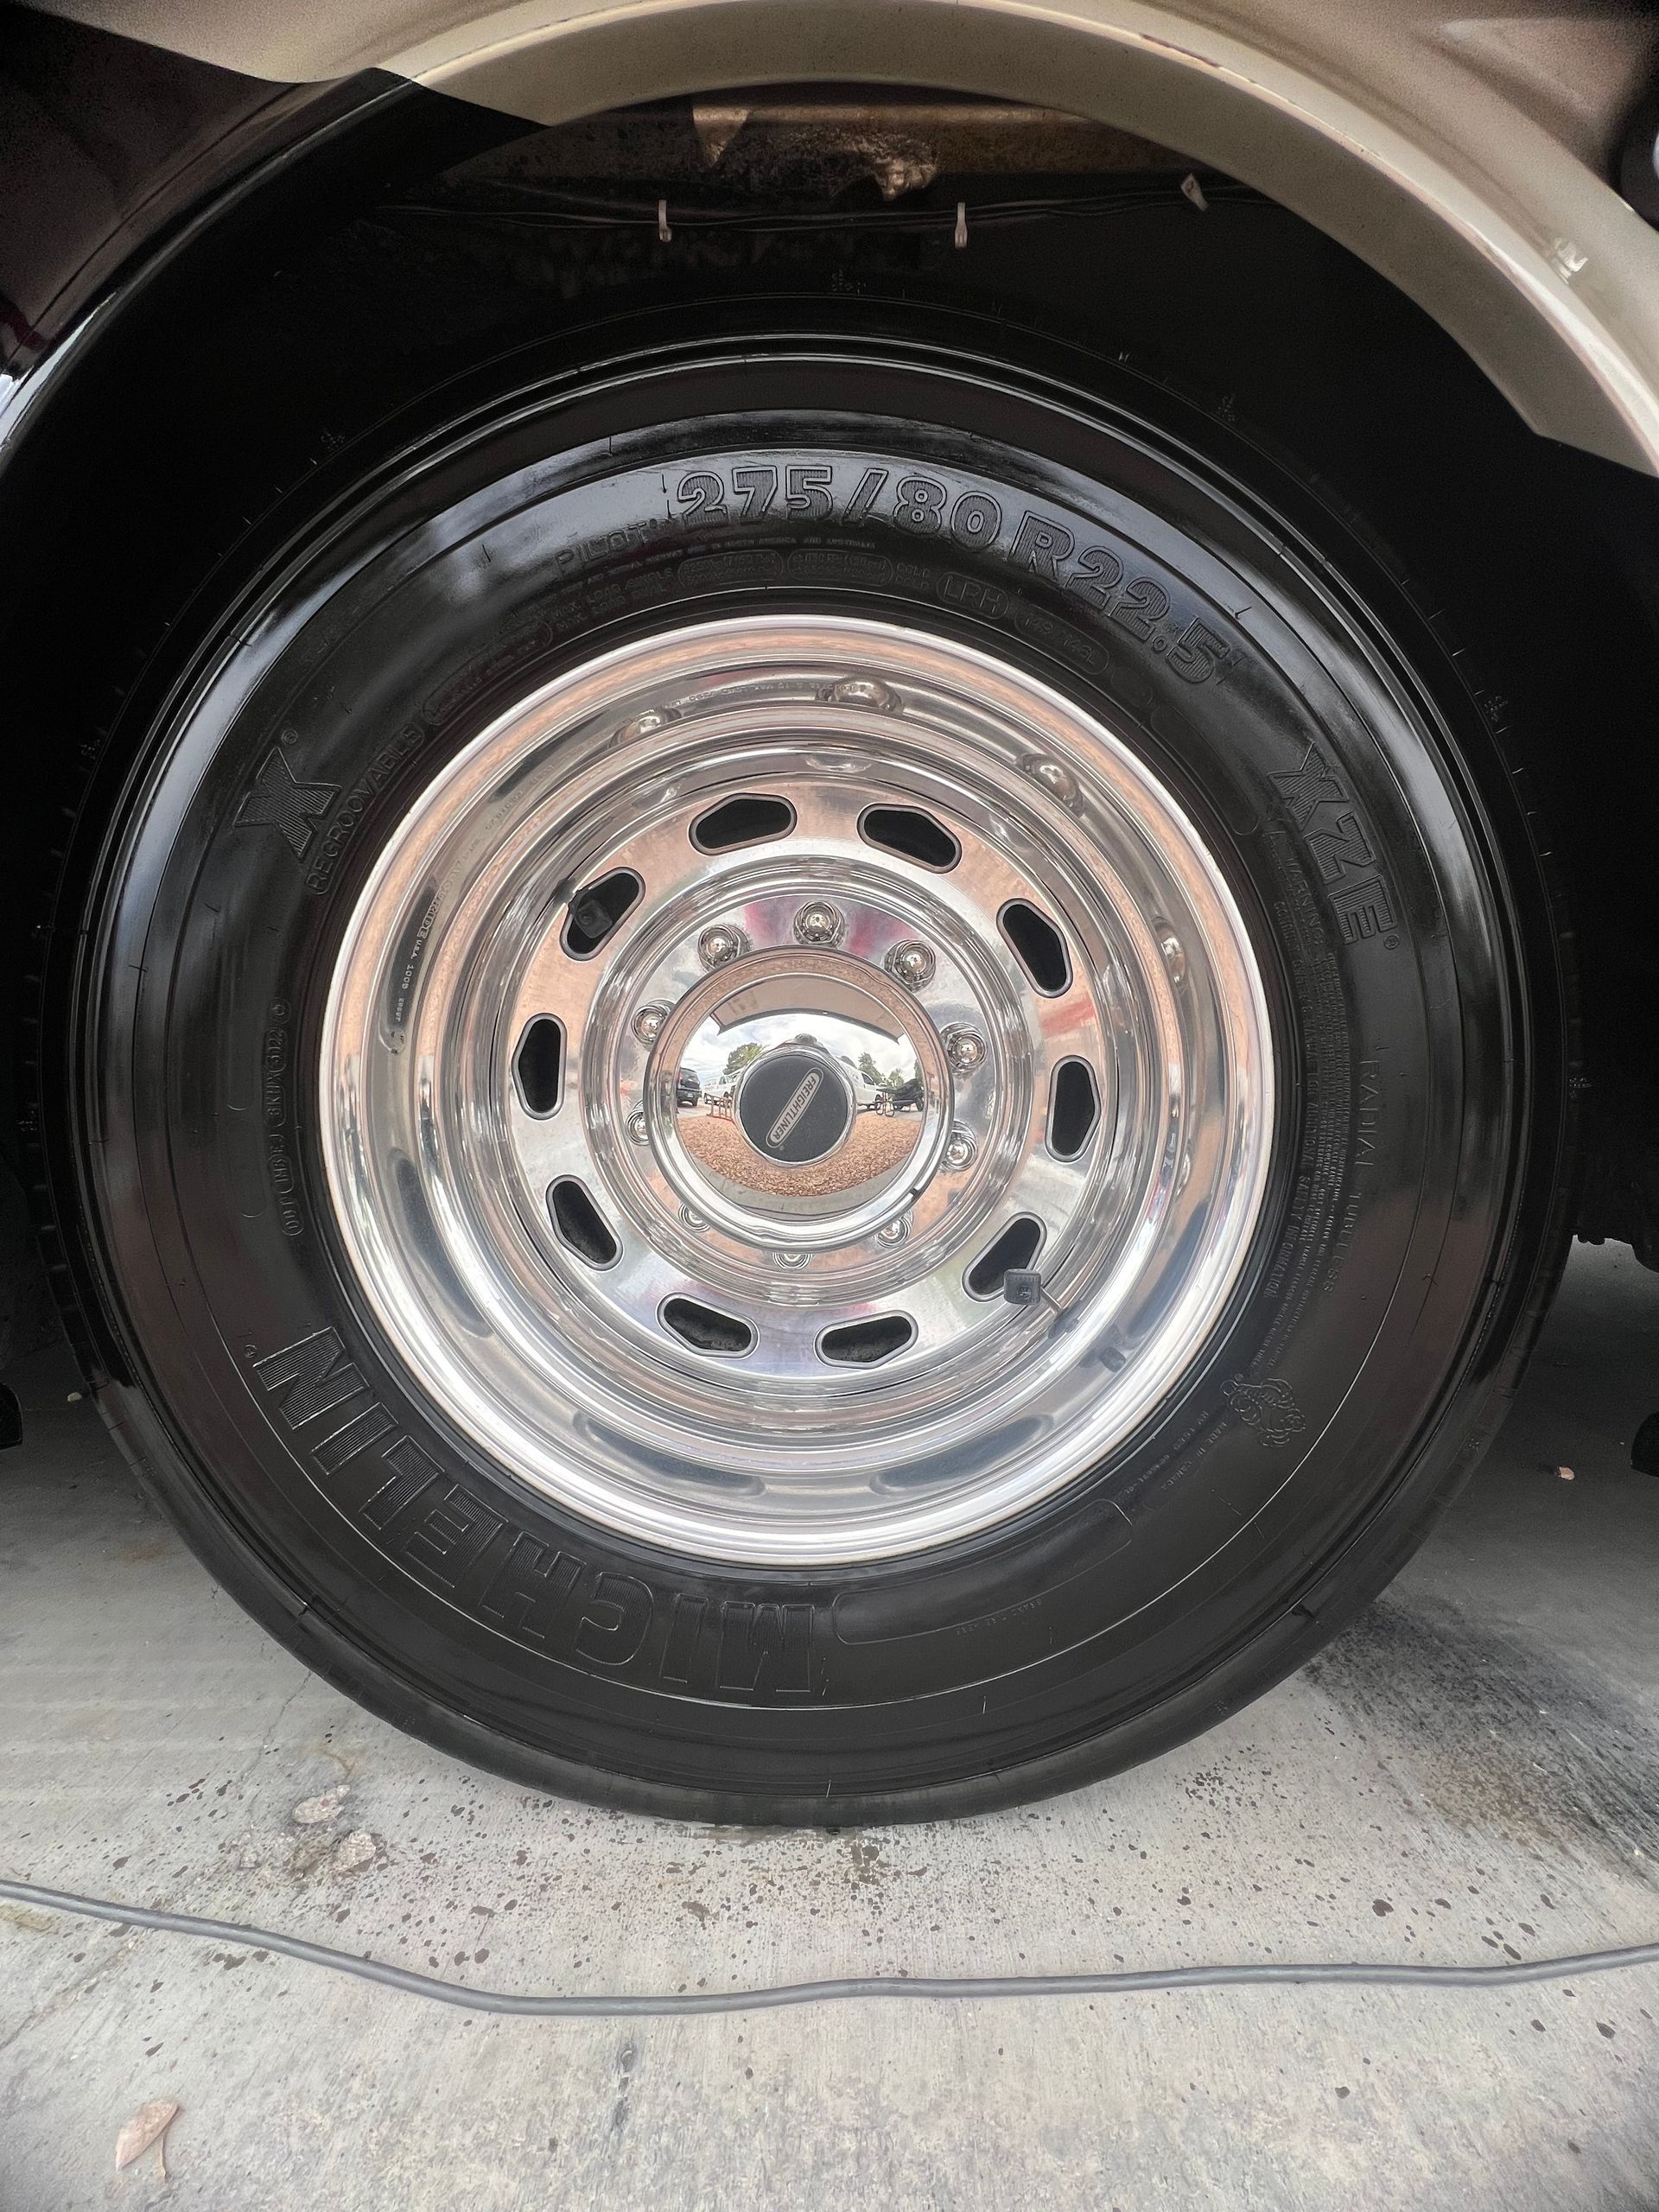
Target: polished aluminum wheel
797, 1090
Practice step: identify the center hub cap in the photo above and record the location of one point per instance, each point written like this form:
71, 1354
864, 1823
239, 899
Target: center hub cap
798, 1057
797, 1090
794, 1105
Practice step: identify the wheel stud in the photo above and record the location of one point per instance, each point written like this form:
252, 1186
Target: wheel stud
959, 1149
648, 1023
720, 944
818, 923
965, 1050
911, 964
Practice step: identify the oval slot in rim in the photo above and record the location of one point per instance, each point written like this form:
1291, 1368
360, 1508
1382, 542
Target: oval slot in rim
1037, 945
750, 819
538, 1065
705, 1329
913, 833
1016, 1246
1073, 1108
866, 1344
579, 1224
596, 909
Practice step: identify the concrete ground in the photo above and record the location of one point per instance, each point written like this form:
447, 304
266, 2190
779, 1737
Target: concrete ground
1472, 1773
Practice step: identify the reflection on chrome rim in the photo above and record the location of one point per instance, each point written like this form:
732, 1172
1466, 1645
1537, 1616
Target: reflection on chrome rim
797, 1090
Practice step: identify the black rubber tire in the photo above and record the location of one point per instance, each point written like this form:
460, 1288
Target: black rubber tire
1145, 556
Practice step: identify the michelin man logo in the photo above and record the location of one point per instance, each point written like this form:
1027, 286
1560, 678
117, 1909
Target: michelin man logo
1270, 1407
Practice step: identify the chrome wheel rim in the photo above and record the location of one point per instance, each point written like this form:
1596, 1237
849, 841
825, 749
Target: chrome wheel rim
983, 1078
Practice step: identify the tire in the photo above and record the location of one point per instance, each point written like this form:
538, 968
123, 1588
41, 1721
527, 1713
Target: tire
1110, 552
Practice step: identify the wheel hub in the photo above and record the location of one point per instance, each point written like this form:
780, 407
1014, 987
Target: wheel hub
787, 1152
796, 1089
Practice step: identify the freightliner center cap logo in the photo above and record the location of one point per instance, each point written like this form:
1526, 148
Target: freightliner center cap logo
794, 1106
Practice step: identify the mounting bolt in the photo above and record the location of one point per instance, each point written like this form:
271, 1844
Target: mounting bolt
911, 964
648, 1023
638, 1128
863, 691
894, 1231
1174, 954
790, 1259
818, 923
965, 1050
721, 943
692, 1220
959, 1149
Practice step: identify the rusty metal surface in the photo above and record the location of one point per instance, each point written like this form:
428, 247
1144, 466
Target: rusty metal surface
815, 142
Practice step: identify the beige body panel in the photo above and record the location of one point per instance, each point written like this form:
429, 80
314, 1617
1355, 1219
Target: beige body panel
1464, 156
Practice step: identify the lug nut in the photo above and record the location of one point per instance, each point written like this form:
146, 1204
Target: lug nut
1175, 956
965, 1050
911, 964
894, 1232
692, 1220
790, 1259
636, 1128
818, 924
721, 943
959, 1149
863, 691
648, 1023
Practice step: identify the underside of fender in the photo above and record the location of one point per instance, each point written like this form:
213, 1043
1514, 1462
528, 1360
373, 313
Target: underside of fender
1465, 159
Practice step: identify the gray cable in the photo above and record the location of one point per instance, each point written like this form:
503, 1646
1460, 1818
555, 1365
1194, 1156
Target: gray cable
613, 2007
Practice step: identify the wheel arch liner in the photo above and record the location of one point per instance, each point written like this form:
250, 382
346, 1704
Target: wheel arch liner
1374, 123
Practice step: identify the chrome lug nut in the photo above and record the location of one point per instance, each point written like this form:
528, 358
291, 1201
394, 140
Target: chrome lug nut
638, 1128
720, 943
911, 964
648, 1023
959, 1149
818, 923
965, 1050
692, 1220
894, 1232
790, 1259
